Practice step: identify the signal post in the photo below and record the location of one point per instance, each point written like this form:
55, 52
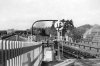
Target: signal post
59, 27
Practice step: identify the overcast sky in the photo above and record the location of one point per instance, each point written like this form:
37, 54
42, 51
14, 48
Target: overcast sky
20, 14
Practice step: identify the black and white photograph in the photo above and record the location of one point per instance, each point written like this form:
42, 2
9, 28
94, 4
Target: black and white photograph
49, 32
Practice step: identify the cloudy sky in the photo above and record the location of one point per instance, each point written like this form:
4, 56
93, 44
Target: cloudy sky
20, 14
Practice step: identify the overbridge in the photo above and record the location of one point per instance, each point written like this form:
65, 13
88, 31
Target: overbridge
26, 53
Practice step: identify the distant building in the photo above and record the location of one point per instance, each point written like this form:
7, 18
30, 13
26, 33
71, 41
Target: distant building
10, 31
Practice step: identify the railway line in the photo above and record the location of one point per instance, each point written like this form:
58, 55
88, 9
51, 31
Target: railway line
69, 52
76, 54
72, 52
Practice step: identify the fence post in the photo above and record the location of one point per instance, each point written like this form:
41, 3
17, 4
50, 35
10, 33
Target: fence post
70, 43
88, 42
43, 49
90, 48
12, 43
74, 44
97, 49
7, 52
92, 43
97, 43
21, 53
79, 46
84, 46
15, 53
1, 52
10, 62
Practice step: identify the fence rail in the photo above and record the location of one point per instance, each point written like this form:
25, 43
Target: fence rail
19, 53
95, 51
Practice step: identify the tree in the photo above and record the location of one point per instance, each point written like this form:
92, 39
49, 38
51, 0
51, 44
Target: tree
71, 31
51, 30
76, 35
43, 32
84, 28
68, 25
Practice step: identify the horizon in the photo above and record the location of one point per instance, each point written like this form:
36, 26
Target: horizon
49, 26
20, 14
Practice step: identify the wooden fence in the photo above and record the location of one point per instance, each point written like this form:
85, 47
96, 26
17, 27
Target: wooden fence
19, 53
84, 46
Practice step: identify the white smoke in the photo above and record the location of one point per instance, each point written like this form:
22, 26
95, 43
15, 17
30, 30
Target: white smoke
88, 32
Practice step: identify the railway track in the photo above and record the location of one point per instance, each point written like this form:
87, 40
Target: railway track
72, 53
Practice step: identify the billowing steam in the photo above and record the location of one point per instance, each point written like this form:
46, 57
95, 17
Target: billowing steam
87, 32
94, 28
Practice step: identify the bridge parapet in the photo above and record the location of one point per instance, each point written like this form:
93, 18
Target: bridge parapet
91, 43
87, 49
20, 53
83, 46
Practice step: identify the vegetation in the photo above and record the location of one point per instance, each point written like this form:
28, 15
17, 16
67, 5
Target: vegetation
75, 33
83, 28
68, 25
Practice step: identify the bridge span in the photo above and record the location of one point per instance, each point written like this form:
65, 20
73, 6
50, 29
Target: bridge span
30, 53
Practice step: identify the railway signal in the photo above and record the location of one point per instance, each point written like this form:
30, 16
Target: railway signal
59, 26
